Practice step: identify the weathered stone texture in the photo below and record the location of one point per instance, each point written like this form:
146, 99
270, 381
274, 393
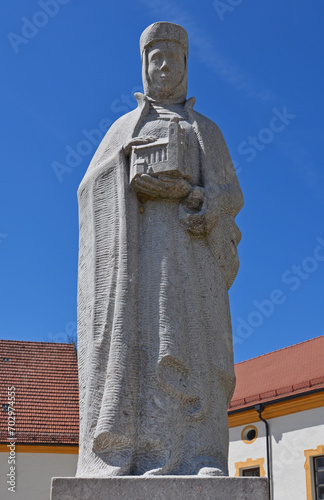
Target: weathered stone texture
160, 488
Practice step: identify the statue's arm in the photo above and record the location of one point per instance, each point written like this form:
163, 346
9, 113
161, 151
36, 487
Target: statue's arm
220, 191
220, 176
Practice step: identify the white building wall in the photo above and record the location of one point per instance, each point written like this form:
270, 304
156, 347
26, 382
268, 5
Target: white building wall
240, 451
291, 435
34, 472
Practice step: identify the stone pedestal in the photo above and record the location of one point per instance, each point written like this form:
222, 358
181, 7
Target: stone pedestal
160, 488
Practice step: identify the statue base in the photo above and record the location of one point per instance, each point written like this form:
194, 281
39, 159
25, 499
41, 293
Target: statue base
160, 488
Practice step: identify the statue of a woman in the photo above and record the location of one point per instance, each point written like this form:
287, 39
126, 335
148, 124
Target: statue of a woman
157, 256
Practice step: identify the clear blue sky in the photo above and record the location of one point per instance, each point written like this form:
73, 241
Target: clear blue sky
255, 68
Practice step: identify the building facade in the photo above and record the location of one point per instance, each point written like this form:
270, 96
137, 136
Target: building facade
39, 418
286, 389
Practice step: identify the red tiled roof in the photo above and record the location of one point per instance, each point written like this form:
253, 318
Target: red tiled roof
292, 371
45, 377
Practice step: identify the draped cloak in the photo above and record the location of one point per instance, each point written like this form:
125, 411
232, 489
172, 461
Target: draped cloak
108, 288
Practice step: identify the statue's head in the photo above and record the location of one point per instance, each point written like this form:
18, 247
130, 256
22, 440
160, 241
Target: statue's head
164, 53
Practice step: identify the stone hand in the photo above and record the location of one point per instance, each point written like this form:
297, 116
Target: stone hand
165, 187
136, 141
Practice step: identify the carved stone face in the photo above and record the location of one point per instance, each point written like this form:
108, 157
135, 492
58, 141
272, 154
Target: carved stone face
166, 67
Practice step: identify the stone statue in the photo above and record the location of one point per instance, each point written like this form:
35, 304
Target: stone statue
157, 257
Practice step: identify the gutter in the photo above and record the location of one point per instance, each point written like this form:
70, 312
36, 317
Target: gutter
259, 408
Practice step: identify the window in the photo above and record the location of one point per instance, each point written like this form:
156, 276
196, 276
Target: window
249, 434
314, 467
5, 407
318, 467
250, 468
253, 472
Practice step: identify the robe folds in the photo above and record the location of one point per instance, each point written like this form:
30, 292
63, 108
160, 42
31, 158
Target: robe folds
154, 331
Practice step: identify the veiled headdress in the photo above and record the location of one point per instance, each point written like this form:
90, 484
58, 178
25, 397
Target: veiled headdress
168, 32
163, 31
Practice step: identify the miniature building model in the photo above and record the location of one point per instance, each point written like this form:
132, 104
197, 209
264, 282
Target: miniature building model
163, 156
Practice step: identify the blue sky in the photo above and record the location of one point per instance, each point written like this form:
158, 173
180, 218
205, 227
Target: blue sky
70, 68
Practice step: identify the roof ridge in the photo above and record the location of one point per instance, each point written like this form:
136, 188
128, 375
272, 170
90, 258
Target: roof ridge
278, 350
35, 342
